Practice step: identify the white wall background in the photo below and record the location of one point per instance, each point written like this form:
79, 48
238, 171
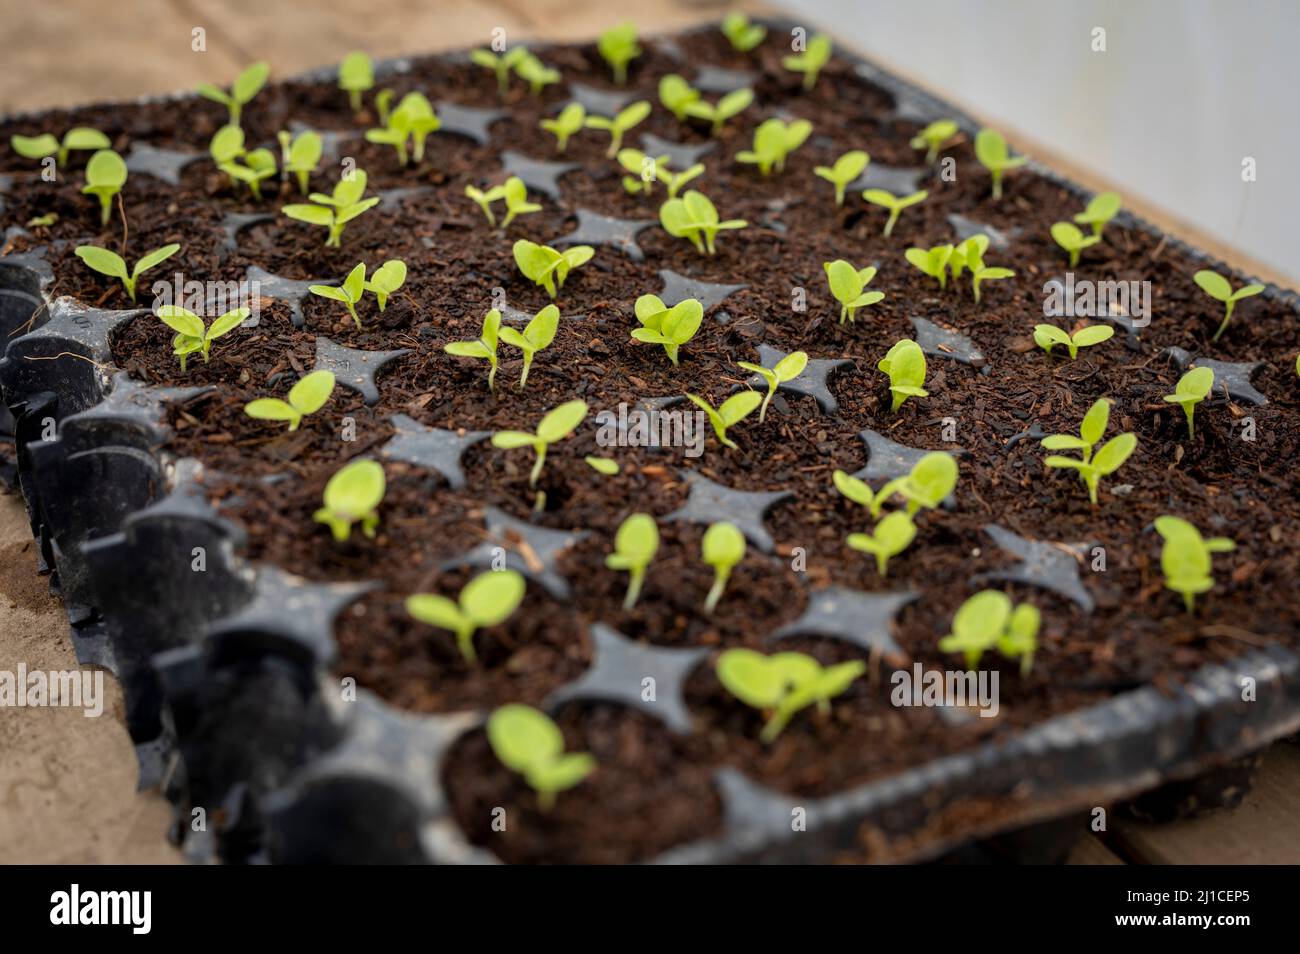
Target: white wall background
1184, 91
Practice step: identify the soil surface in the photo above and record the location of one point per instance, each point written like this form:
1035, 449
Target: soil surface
652, 789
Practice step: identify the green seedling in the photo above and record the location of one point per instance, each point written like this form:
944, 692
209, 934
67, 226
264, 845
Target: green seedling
1100, 210
191, 336
395, 132
847, 168
1185, 558
384, 105
105, 176
617, 127
722, 548
891, 536
742, 34
848, 285
356, 76
1192, 388
618, 47
413, 119
812, 61
1048, 337
987, 621
602, 465
536, 336
306, 397
544, 266
787, 369
969, 255
536, 74
528, 742
675, 180
569, 122
349, 292
79, 137
487, 600
499, 63
247, 85
484, 200
775, 139
385, 280
782, 684
933, 137
1217, 287
904, 363
644, 170
933, 262
111, 264
991, 150
1105, 462
670, 327
249, 167
336, 210
717, 114
300, 155
731, 411
516, 195
932, 478
677, 95
43, 221
860, 492
635, 546
484, 347
693, 217
556, 425
1072, 240
352, 496
895, 204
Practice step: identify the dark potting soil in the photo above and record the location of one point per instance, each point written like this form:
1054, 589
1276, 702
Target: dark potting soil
652, 788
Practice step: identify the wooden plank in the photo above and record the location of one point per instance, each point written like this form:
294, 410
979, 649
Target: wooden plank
1091, 850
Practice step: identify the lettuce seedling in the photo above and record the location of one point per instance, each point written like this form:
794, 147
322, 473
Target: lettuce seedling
385, 280
933, 137
847, 168
618, 47
787, 369
544, 266
570, 121
1185, 558
987, 621
670, 327
336, 210
384, 105
1217, 287
731, 411
991, 150
105, 176
484, 347
677, 95
300, 155
487, 600
635, 546
722, 548
356, 76
556, 425
905, 365
970, 255
79, 137
1100, 210
848, 285
352, 496
694, 218
782, 684
717, 114
1048, 337
536, 74
860, 492
413, 119
191, 336
1192, 388
892, 536
536, 336
742, 34
627, 117
306, 397
516, 195
645, 170
931, 479
1072, 240
249, 167
247, 85
484, 200
1105, 462
528, 742
349, 292
932, 262
812, 61
111, 264
775, 139
895, 204
499, 63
